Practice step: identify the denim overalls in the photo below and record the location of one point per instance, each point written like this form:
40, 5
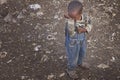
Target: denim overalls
75, 47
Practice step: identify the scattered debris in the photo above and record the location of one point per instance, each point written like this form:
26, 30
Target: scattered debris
61, 57
50, 77
10, 60
113, 35
24, 77
113, 59
35, 6
62, 74
37, 48
3, 54
113, 14
44, 58
88, 41
103, 66
56, 17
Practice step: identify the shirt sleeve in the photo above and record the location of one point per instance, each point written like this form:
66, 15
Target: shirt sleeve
89, 24
71, 28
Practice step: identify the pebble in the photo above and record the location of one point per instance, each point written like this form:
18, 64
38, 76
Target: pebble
103, 66
35, 6
37, 48
3, 54
44, 58
113, 59
51, 76
62, 74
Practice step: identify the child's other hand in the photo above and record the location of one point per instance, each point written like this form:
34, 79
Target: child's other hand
81, 30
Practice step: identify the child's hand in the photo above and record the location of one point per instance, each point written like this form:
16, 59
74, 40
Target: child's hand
66, 16
81, 30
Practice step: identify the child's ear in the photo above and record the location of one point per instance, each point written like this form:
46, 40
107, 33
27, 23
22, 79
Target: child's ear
66, 16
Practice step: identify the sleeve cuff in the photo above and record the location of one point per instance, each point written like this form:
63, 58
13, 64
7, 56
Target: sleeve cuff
88, 28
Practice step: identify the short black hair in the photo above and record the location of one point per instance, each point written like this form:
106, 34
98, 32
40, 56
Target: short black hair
75, 5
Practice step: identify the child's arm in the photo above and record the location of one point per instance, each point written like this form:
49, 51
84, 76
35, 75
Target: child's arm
70, 25
89, 25
85, 24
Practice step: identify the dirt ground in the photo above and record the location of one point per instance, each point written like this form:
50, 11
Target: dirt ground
32, 40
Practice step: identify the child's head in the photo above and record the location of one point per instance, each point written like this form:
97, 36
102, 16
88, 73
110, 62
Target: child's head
75, 9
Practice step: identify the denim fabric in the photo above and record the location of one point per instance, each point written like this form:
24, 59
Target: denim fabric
75, 48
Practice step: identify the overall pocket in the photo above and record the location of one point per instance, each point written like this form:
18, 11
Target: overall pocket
72, 43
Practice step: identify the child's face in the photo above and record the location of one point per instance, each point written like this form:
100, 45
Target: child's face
75, 15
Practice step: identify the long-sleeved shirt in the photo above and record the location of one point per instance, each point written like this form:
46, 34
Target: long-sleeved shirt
71, 26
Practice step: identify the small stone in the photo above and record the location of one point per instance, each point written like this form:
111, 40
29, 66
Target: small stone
56, 17
3, 54
103, 66
113, 34
44, 58
88, 41
113, 14
61, 57
37, 48
22, 77
113, 59
9, 61
35, 6
51, 76
62, 74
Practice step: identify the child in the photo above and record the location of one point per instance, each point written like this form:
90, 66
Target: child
77, 25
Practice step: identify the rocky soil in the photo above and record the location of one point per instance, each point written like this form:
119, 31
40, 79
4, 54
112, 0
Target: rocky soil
32, 40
